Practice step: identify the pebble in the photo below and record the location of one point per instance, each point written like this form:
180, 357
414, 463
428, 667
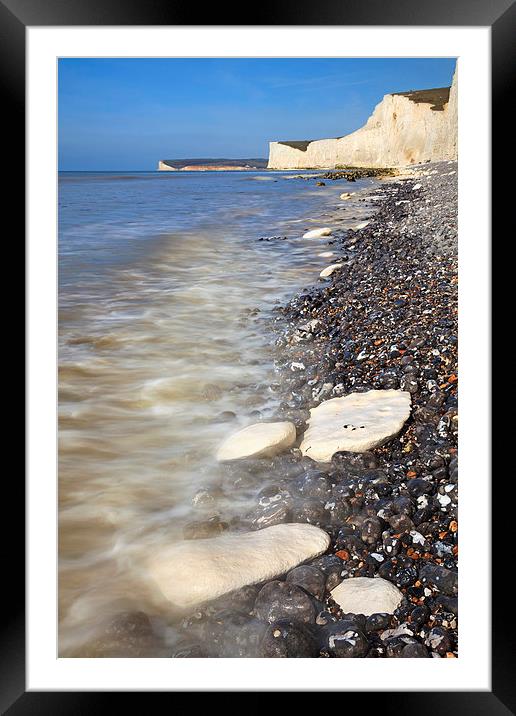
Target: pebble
309, 578
365, 595
344, 640
288, 638
281, 600
317, 233
329, 270
354, 423
196, 571
258, 440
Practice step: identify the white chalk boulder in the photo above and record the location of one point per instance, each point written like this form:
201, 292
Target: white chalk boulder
327, 272
196, 571
317, 233
355, 423
326, 254
362, 225
258, 440
347, 195
367, 595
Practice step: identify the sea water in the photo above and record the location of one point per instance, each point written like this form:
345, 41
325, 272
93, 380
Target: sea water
166, 295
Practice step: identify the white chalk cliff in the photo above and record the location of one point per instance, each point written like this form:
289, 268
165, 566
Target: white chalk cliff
405, 128
162, 167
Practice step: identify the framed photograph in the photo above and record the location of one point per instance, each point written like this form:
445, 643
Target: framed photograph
258, 262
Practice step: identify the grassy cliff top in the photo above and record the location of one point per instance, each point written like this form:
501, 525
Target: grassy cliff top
437, 97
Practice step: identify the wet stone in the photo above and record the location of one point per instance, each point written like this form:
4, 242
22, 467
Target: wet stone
287, 638
313, 484
207, 496
331, 566
273, 514
344, 640
419, 616
419, 486
128, 634
371, 530
441, 578
281, 600
204, 529
309, 578
414, 651
401, 523
311, 511
439, 640
232, 634
241, 600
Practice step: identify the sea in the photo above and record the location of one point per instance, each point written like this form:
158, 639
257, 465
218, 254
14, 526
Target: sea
168, 289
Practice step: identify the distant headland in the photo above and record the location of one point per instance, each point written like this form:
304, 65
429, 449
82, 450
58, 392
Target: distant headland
210, 165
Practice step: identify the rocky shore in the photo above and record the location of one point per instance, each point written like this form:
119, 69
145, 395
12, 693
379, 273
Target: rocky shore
384, 322
351, 546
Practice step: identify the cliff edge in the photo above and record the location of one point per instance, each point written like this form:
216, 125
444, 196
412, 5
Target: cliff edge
405, 128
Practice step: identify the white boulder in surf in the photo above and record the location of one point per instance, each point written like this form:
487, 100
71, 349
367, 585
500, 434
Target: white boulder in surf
197, 571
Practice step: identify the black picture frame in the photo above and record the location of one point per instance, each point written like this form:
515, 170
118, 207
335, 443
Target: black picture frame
15, 17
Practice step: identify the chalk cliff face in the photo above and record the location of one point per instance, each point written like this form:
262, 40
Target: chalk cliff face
406, 128
162, 167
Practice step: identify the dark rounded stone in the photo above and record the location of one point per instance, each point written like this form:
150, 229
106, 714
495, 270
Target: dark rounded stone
371, 530
287, 638
273, 514
344, 491
402, 506
339, 511
394, 648
441, 578
241, 600
345, 640
325, 617
271, 495
230, 633
331, 566
419, 616
421, 516
439, 640
281, 600
387, 570
418, 487
311, 511
377, 622
449, 604
402, 612
391, 545
414, 651
313, 484
401, 523
309, 578
354, 461
406, 576
352, 544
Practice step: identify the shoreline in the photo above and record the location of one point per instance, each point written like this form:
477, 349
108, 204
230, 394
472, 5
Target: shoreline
381, 320
385, 320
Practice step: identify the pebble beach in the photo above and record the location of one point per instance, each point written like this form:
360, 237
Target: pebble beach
385, 321
343, 541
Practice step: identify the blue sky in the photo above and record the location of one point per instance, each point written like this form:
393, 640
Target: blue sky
127, 113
